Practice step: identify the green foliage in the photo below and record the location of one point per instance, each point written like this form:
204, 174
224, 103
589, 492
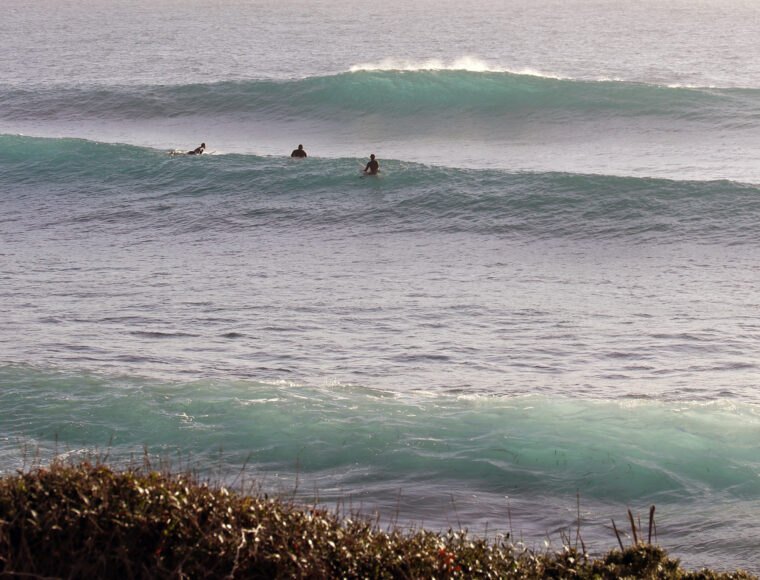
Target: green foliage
88, 521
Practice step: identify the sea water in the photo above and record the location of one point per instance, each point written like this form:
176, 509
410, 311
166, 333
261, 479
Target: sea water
548, 297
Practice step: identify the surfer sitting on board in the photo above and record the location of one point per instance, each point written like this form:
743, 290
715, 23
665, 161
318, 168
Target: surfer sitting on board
373, 167
197, 150
298, 152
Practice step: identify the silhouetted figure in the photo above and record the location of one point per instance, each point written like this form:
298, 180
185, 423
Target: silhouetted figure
197, 150
373, 166
298, 152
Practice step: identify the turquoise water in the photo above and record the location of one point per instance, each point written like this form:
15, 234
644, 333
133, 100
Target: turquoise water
548, 294
498, 463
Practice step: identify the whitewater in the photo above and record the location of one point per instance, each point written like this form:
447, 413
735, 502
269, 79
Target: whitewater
549, 296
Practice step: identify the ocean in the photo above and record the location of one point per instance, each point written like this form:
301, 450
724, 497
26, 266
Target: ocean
547, 299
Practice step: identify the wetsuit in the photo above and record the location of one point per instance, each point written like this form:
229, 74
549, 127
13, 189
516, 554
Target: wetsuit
298, 153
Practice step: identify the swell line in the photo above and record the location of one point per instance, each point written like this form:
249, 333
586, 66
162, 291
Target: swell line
248, 190
391, 93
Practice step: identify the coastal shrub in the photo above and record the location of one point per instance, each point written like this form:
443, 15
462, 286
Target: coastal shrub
91, 521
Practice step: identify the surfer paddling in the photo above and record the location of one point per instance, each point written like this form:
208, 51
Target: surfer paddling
373, 167
196, 151
299, 153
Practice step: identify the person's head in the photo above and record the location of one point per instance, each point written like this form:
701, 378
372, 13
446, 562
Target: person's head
203, 145
372, 156
300, 146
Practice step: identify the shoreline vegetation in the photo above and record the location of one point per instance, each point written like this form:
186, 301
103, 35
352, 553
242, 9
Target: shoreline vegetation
91, 520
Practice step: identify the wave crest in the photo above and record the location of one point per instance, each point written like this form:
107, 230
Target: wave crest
464, 63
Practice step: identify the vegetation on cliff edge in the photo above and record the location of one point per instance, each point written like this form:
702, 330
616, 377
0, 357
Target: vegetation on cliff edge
91, 521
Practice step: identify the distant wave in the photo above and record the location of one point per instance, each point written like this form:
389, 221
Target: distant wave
466, 90
327, 192
478, 65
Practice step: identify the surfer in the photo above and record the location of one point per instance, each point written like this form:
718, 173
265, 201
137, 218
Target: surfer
197, 150
373, 167
299, 152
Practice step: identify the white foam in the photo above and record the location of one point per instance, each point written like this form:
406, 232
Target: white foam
463, 63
